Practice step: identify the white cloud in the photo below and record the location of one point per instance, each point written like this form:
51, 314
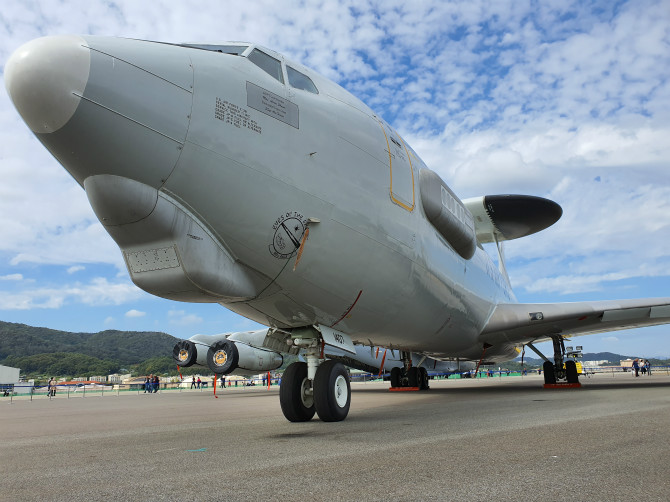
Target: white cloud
610, 339
135, 313
75, 268
99, 291
11, 277
109, 320
181, 318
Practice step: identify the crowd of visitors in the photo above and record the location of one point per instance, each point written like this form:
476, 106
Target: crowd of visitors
151, 384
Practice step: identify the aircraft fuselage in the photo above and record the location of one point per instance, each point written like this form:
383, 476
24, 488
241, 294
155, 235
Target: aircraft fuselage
207, 169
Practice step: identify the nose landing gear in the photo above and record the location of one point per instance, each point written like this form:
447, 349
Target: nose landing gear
320, 387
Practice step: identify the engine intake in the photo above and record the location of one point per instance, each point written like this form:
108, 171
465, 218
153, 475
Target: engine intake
224, 357
185, 354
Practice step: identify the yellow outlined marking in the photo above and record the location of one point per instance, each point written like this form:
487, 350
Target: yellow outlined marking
411, 169
388, 149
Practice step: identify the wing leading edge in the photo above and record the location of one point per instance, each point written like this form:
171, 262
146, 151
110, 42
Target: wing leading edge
527, 322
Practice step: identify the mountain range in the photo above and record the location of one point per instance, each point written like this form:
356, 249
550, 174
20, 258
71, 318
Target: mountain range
44, 351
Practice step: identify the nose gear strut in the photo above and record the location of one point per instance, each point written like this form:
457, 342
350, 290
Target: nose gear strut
317, 386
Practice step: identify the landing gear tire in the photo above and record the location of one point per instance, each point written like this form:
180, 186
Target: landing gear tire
332, 391
571, 372
549, 373
395, 377
423, 379
413, 379
295, 398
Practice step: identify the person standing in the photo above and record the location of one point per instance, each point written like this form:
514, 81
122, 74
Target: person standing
636, 367
223, 381
199, 382
52, 387
193, 383
147, 384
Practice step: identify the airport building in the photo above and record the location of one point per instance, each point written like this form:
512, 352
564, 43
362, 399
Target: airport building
10, 382
9, 375
116, 378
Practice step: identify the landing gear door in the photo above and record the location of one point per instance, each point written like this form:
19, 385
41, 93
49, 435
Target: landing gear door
337, 339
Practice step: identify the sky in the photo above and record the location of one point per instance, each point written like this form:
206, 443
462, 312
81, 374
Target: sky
560, 99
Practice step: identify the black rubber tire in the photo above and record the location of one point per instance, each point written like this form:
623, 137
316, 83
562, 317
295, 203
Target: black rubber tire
332, 391
395, 377
571, 372
413, 378
294, 407
222, 357
549, 374
423, 379
189, 355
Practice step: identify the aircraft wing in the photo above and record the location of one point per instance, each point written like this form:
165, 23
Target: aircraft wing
527, 322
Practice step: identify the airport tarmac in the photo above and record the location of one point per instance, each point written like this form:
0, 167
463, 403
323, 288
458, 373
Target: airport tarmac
488, 439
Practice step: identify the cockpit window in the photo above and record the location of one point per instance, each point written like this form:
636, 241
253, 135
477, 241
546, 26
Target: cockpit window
300, 80
235, 50
266, 63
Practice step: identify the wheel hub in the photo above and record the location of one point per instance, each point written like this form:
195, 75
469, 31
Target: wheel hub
341, 394
306, 393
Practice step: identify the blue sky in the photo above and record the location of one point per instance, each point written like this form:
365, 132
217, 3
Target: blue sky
567, 100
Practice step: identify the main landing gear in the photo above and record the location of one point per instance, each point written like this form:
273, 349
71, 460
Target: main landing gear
409, 377
560, 372
320, 387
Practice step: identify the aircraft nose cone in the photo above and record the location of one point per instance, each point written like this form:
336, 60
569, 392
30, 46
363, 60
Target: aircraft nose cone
45, 79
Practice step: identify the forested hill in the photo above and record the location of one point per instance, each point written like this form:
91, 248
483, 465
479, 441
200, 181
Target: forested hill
20, 343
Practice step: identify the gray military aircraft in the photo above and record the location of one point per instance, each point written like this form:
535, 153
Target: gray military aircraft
246, 353
229, 174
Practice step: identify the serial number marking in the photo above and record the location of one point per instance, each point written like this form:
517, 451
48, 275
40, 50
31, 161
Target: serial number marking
235, 115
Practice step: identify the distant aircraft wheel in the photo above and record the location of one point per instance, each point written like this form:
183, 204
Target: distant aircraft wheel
395, 377
413, 379
549, 374
571, 372
295, 398
332, 392
423, 379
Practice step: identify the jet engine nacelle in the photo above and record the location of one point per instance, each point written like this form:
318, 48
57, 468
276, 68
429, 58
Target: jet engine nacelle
224, 357
185, 353
224, 354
